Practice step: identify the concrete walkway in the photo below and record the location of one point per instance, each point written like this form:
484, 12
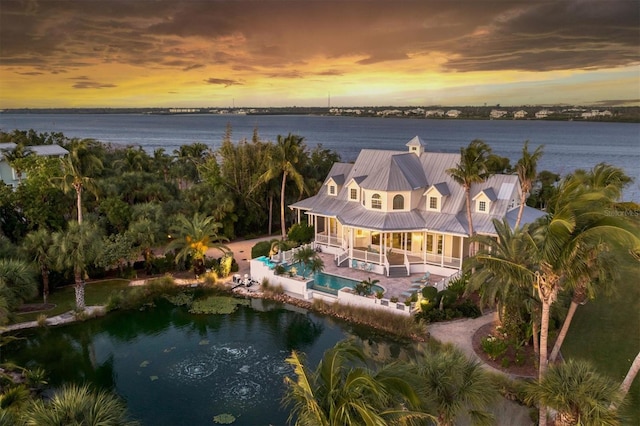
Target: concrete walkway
65, 318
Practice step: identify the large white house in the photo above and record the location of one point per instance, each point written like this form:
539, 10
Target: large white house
399, 212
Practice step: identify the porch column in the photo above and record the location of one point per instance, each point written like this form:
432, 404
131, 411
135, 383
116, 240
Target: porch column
461, 252
424, 247
443, 252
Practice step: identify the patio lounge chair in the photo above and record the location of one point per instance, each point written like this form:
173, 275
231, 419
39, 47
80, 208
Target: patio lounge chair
423, 279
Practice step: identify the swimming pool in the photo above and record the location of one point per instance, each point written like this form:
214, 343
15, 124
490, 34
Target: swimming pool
324, 282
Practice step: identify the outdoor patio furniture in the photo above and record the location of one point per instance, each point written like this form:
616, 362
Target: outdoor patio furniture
423, 279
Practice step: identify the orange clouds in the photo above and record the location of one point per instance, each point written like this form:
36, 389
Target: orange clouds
203, 53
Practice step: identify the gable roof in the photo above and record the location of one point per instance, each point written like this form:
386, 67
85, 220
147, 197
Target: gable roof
397, 172
385, 170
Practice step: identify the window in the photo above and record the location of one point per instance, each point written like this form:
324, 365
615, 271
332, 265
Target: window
332, 189
376, 201
482, 206
398, 202
433, 203
353, 194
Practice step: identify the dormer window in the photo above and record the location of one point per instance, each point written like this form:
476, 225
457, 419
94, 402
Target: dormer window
332, 190
353, 194
433, 203
484, 199
398, 202
376, 202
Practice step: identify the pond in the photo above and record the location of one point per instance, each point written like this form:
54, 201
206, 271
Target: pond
175, 368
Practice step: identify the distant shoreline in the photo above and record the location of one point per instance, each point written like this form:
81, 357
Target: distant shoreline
616, 114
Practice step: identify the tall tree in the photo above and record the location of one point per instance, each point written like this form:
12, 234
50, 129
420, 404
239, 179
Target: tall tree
286, 159
194, 237
77, 171
471, 169
601, 240
504, 277
526, 168
578, 393
76, 248
36, 245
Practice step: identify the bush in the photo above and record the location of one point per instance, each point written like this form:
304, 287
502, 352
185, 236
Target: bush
445, 298
429, 293
261, 248
494, 347
458, 285
301, 233
468, 309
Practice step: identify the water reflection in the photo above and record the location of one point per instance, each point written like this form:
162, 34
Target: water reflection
175, 368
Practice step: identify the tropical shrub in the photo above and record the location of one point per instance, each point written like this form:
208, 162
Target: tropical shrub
429, 293
494, 346
261, 248
301, 233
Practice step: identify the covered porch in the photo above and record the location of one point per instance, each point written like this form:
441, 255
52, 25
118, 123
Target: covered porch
384, 252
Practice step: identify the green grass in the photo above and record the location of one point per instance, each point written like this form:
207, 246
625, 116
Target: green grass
64, 299
606, 331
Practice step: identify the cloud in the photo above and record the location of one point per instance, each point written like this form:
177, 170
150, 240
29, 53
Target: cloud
84, 82
223, 82
474, 35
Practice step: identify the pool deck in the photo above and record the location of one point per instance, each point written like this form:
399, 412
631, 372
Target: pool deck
394, 286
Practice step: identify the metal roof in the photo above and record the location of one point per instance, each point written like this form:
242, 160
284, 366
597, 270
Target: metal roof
384, 170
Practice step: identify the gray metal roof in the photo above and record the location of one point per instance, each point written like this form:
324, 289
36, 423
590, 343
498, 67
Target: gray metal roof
416, 141
384, 170
338, 179
42, 150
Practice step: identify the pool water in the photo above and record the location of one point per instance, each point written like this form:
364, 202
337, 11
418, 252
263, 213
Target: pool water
336, 283
331, 283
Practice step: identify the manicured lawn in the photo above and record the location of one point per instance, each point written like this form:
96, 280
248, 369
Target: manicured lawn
606, 332
64, 299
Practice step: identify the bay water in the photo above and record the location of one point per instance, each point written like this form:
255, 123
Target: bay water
568, 145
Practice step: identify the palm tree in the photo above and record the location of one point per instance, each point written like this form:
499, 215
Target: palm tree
600, 242
17, 284
472, 168
194, 237
578, 393
342, 391
76, 248
455, 384
286, 160
309, 259
504, 274
526, 168
36, 244
628, 379
77, 168
75, 404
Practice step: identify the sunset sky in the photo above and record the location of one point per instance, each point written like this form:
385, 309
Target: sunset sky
156, 53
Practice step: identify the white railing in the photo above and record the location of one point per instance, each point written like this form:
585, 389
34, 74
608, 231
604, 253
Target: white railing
329, 240
341, 257
367, 256
444, 283
407, 264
